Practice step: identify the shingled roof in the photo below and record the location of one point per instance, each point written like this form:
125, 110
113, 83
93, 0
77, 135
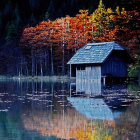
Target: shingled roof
94, 53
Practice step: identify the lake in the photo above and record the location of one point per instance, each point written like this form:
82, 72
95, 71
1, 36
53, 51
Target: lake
59, 110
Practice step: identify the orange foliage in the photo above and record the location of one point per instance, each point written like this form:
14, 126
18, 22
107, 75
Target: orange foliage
74, 32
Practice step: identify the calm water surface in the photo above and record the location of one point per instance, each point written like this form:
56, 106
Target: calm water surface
39, 110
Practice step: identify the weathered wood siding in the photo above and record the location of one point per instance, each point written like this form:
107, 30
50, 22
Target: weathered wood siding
80, 73
114, 66
91, 72
96, 72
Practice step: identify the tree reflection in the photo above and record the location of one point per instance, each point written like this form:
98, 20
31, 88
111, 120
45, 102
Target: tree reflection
39, 110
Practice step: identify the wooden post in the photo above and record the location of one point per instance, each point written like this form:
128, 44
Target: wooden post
70, 70
104, 80
70, 89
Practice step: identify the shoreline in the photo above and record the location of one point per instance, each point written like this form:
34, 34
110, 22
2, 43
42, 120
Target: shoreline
37, 78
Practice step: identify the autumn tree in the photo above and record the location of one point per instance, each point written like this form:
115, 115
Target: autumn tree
27, 40
52, 43
99, 19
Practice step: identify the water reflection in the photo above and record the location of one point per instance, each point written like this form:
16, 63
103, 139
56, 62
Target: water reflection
89, 87
103, 100
94, 108
61, 110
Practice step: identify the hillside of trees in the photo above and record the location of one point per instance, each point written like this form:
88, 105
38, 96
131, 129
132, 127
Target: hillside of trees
37, 37
16, 14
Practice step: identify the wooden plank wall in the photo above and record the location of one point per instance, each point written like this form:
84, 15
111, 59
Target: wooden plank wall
114, 66
90, 73
95, 72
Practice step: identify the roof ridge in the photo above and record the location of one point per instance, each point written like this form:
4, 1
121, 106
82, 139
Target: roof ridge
100, 43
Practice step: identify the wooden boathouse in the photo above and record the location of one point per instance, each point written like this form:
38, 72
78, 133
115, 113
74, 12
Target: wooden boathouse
97, 60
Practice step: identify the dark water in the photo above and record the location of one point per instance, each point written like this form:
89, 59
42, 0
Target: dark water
38, 110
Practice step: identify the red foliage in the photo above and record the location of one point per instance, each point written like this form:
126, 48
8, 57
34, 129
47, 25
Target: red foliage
74, 32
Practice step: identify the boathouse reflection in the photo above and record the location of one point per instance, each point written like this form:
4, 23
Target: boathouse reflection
89, 86
95, 101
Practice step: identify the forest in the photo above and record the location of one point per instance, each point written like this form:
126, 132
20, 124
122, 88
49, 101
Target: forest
39, 39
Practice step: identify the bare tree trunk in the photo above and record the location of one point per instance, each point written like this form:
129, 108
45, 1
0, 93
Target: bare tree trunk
68, 68
46, 66
41, 69
33, 63
63, 60
27, 71
21, 66
63, 49
17, 69
47, 61
52, 65
36, 67
19, 72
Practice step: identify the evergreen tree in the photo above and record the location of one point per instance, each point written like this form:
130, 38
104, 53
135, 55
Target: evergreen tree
34, 4
99, 18
101, 5
51, 10
11, 31
46, 16
32, 19
17, 16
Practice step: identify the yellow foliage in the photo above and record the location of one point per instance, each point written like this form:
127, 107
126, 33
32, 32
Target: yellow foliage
109, 10
118, 10
92, 133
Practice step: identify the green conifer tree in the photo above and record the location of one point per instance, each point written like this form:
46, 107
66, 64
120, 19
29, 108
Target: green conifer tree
32, 19
51, 10
17, 16
99, 18
101, 5
11, 31
46, 17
